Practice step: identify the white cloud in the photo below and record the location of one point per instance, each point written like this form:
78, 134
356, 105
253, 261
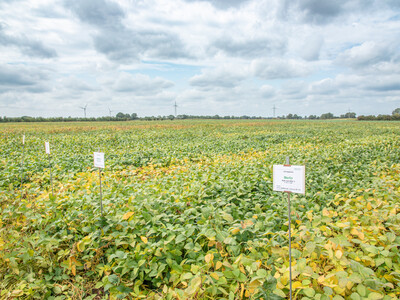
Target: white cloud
368, 53
139, 84
278, 68
225, 76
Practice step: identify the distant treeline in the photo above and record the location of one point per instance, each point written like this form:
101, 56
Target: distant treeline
395, 116
326, 116
118, 117
128, 117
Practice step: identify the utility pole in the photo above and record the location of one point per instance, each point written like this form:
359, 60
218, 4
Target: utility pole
274, 109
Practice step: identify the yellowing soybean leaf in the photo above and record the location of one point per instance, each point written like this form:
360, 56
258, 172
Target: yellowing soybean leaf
218, 265
80, 246
253, 285
235, 231
209, 257
214, 275
127, 215
375, 296
144, 239
338, 254
17, 293
296, 285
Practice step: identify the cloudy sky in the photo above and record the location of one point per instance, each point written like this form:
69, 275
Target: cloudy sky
226, 57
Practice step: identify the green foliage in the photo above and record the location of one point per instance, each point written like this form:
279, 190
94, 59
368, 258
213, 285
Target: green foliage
190, 212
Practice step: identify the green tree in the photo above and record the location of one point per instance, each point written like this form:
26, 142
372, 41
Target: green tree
327, 116
396, 111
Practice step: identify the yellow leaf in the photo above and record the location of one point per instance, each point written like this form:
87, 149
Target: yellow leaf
253, 285
338, 254
369, 207
80, 246
354, 231
310, 215
214, 275
247, 223
241, 268
144, 239
325, 212
127, 215
349, 285
17, 293
218, 265
235, 231
296, 285
209, 257
279, 285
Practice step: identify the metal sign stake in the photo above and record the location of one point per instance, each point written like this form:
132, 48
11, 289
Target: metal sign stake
101, 198
290, 237
51, 177
22, 164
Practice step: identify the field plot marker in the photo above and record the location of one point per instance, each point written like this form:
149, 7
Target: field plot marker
99, 163
22, 162
289, 179
47, 148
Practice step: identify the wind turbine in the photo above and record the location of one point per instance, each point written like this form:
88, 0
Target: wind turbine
84, 109
175, 106
110, 111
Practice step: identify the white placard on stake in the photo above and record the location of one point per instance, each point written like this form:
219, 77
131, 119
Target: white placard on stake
23, 139
289, 179
98, 159
47, 146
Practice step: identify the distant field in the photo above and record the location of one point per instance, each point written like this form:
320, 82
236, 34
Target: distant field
190, 212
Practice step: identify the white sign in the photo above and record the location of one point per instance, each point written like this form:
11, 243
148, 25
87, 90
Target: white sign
98, 159
23, 139
289, 179
47, 146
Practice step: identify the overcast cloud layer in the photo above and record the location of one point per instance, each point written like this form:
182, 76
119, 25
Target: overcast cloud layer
238, 57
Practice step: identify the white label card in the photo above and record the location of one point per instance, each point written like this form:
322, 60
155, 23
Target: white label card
98, 159
289, 179
23, 139
47, 147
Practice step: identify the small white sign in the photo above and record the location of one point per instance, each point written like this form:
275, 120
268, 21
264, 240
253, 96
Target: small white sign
47, 147
289, 179
98, 159
23, 139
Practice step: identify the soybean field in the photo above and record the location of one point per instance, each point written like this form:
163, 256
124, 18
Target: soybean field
189, 211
